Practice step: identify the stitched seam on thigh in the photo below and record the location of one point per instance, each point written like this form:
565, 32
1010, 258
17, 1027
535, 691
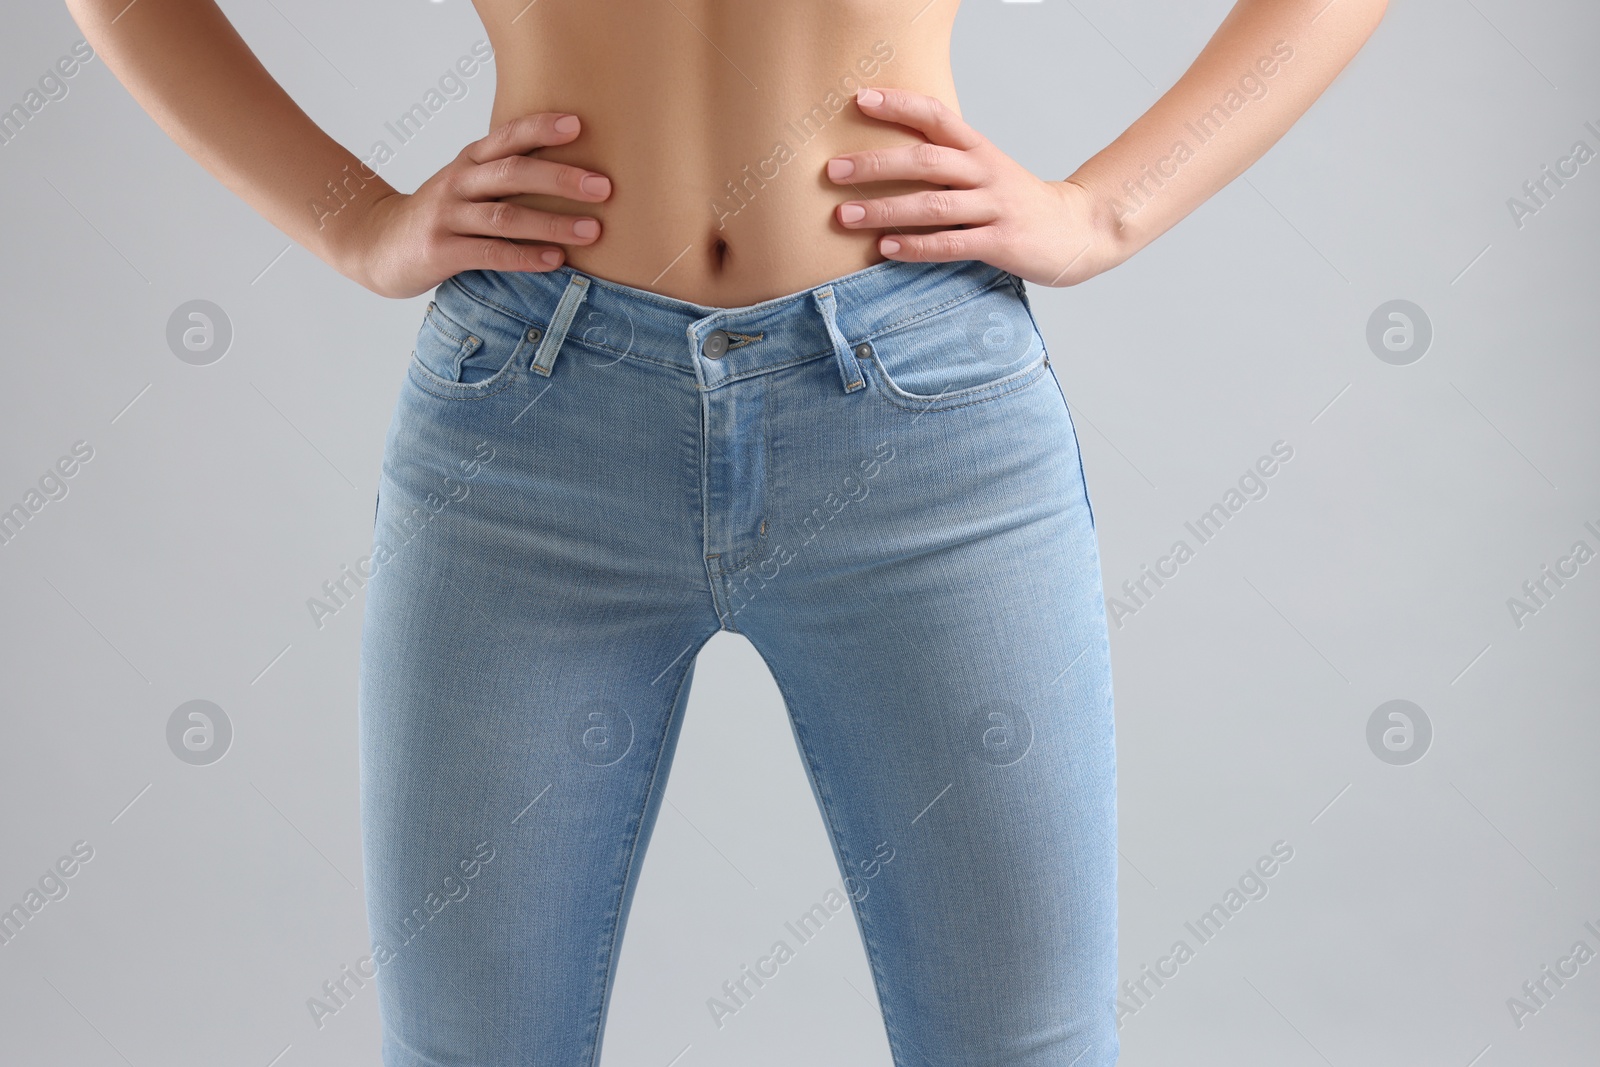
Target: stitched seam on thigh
633, 857
1083, 478
838, 843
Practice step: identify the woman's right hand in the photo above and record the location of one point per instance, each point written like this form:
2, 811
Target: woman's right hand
455, 221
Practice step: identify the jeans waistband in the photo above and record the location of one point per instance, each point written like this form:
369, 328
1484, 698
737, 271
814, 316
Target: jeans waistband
569, 305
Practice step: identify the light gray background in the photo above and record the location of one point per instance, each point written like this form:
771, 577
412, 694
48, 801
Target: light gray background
1419, 499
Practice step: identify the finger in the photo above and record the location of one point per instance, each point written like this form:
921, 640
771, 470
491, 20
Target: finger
520, 223
941, 247
492, 253
923, 162
510, 175
935, 207
523, 134
927, 114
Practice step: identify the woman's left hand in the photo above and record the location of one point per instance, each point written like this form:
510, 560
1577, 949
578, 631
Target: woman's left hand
1039, 230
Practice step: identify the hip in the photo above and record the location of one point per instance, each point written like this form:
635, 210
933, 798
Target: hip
594, 417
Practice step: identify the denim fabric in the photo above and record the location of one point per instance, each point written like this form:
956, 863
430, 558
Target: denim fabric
878, 484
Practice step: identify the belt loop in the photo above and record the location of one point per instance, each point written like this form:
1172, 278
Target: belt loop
849, 369
560, 322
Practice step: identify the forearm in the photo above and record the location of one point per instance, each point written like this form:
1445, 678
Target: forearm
1265, 65
189, 69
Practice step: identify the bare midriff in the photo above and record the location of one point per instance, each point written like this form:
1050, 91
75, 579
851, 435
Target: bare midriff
714, 120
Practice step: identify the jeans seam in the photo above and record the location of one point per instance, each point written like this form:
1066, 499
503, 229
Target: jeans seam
431, 383
1004, 387
580, 339
838, 843
1077, 447
642, 294
768, 490
959, 298
467, 291
899, 323
607, 973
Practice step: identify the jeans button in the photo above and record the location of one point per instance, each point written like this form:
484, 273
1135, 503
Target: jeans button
716, 344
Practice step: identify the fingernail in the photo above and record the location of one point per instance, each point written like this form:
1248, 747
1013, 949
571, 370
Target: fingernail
567, 124
585, 228
596, 185
870, 97
550, 256
852, 213
840, 169
889, 246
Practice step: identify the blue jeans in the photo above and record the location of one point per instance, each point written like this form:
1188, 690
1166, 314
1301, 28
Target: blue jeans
877, 482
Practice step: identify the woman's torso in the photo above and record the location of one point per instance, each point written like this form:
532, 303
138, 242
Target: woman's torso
714, 120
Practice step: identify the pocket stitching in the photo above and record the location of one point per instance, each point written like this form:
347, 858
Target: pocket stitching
433, 385
893, 394
916, 402
445, 389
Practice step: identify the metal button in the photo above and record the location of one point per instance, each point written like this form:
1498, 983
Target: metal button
534, 333
716, 344
863, 350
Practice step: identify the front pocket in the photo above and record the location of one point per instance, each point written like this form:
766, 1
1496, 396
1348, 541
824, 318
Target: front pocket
465, 352
979, 349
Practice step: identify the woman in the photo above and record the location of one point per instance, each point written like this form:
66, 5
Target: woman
731, 333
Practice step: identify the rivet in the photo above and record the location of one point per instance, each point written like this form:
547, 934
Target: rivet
863, 350
534, 333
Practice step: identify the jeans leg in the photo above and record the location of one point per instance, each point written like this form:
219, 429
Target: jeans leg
529, 642
940, 641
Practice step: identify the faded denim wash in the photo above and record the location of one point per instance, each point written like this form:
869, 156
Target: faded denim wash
877, 482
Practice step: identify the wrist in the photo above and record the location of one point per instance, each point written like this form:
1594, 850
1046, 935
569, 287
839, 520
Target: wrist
1097, 216
351, 236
